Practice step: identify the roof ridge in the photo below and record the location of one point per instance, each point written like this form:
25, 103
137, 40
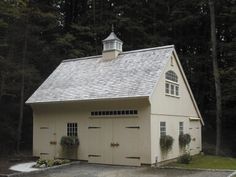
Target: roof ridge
82, 58
147, 49
126, 52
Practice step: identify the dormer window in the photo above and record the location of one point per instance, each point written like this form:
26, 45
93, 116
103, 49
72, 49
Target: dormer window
171, 85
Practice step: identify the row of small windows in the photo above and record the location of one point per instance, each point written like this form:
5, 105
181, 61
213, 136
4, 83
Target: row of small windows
114, 112
163, 128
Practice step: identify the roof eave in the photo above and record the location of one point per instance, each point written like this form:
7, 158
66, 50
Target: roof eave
88, 100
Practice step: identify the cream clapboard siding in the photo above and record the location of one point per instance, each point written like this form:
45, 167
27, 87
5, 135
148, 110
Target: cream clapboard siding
172, 110
56, 116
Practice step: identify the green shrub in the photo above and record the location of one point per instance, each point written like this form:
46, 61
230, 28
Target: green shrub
69, 141
185, 158
184, 140
166, 143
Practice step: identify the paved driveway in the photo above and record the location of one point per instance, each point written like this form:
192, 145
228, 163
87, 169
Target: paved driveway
92, 170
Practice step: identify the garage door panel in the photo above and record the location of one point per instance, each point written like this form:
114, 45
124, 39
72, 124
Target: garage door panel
114, 141
99, 141
126, 134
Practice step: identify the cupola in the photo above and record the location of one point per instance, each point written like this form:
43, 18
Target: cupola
112, 46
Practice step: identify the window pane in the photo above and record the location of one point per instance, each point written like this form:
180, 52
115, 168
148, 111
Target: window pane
162, 123
181, 127
162, 128
72, 129
167, 87
172, 89
170, 75
177, 90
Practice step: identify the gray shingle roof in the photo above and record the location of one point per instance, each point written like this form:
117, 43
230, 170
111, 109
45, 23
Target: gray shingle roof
131, 74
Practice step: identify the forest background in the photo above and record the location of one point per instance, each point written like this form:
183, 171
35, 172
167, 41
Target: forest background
36, 35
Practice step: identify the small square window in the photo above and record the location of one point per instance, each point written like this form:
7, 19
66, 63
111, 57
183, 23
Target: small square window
135, 112
72, 129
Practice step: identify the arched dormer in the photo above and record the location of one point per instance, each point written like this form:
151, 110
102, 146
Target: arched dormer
171, 84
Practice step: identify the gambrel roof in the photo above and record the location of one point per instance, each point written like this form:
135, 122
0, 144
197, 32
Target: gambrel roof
132, 74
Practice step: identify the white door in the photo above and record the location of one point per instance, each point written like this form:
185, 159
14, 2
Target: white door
114, 141
126, 138
47, 145
195, 133
100, 137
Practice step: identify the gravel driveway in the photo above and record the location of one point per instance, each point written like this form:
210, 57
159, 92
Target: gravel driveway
92, 170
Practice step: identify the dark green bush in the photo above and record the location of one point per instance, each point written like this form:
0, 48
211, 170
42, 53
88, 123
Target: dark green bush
166, 143
185, 158
184, 140
69, 141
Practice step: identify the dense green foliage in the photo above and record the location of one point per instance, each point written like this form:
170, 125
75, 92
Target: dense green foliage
166, 143
47, 31
184, 140
185, 158
69, 141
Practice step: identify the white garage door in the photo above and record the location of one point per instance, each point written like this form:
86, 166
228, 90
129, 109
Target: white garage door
114, 141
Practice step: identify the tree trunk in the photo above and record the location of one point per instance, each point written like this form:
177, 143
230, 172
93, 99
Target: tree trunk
216, 77
22, 92
2, 84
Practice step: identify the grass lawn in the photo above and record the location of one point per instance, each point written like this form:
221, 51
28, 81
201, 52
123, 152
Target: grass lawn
209, 162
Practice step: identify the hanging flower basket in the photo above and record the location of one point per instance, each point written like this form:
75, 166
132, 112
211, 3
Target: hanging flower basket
184, 140
69, 147
166, 143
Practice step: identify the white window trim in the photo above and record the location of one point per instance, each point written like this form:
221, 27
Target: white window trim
72, 129
172, 84
164, 132
175, 84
